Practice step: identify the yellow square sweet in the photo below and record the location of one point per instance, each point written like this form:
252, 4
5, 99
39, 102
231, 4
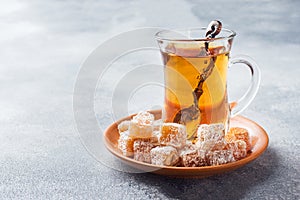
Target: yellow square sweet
173, 134
237, 133
125, 144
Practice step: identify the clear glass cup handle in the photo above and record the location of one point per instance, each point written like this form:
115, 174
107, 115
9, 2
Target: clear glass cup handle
240, 105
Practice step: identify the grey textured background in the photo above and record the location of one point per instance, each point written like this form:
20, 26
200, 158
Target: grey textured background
42, 45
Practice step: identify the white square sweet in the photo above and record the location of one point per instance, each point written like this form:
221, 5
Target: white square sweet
193, 158
211, 137
142, 148
219, 157
143, 118
164, 155
140, 131
141, 126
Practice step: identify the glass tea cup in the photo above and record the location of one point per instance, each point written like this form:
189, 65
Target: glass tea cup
195, 73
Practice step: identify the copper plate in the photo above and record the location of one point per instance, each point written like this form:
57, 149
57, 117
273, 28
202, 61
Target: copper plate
258, 136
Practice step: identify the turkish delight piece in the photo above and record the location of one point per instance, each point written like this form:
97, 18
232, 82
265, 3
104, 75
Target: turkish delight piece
189, 146
193, 158
141, 125
219, 157
237, 133
210, 132
142, 148
239, 149
124, 126
125, 144
173, 134
211, 137
164, 155
143, 118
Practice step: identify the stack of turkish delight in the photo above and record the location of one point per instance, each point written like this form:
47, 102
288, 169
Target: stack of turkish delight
151, 141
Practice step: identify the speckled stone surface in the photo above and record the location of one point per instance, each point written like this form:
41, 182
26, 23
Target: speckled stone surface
42, 47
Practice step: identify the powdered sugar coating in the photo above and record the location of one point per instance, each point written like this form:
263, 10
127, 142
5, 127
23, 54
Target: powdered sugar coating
210, 132
173, 134
143, 118
239, 149
140, 131
219, 157
188, 147
142, 148
123, 126
237, 133
141, 126
125, 144
194, 158
211, 137
164, 155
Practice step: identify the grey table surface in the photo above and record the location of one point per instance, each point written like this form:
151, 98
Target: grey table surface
42, 47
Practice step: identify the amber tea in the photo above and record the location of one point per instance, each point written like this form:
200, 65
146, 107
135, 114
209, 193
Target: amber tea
187, 99
195, 70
